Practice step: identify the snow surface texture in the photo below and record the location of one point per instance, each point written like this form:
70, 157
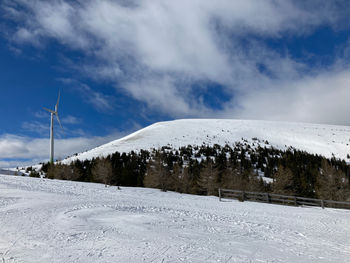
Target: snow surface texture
60, 221
319, 139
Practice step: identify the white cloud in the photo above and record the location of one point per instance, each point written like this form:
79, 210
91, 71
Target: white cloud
23, 35
323, 98
41, 114
157, 49
34, 149
70, 120
98, 100
37, 127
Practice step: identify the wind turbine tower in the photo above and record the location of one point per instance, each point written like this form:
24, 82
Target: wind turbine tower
53, 113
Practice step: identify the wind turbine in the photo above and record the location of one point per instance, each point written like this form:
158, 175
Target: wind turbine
53, 113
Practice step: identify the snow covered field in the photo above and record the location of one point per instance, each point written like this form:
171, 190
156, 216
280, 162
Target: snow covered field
319, 139
60, 221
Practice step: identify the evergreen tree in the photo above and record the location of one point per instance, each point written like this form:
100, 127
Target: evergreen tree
157, 173
332, 184
208, 179
177, 178
283, 181
102, 171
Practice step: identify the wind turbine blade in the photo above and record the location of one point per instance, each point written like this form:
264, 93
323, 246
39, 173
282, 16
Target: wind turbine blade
59, 122
48, 110
58, 100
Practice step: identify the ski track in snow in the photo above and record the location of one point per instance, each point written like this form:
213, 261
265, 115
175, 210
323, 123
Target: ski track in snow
60, 221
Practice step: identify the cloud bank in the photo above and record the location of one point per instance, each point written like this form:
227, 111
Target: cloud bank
157, 51
35, 150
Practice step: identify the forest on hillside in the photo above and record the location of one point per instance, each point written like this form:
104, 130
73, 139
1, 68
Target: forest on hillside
203, 169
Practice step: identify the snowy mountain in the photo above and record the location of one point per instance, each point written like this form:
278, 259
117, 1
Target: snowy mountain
326, 140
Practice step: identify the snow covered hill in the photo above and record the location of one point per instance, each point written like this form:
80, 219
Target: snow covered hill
62, 221
326, 140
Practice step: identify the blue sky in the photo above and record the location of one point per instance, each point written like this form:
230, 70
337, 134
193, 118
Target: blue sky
122, 65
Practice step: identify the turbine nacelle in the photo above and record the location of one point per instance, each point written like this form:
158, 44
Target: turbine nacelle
51, 111
55, 112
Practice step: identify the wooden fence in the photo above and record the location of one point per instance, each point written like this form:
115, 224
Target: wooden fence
280, 199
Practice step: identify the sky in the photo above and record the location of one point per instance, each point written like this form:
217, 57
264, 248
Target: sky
121, 65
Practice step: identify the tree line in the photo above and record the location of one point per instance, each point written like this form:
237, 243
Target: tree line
203, 169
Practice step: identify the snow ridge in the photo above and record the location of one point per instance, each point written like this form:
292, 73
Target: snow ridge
326, 140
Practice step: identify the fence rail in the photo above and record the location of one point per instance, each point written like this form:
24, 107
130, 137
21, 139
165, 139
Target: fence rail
280, 199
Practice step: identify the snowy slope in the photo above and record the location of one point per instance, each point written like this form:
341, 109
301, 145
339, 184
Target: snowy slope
61, 221
313, 138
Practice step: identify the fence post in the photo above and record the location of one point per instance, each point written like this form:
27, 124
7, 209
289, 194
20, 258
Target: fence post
322, 204
243, 196
295, 201
268, 198
219, 194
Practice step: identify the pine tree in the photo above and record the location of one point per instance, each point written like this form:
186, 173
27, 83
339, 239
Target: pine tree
256, 183
208, 179
234, 177
157, 175
331, 183
283, 181
102, 171
177, 178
